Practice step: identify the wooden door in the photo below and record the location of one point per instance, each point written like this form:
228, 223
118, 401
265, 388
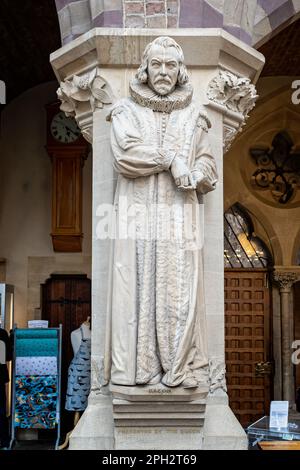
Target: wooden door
66, 300
297, 332
248, 343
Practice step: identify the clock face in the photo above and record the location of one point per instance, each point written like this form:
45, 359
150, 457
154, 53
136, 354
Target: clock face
64, 129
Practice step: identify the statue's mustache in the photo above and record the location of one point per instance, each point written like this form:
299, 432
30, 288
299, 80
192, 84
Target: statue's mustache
162, 80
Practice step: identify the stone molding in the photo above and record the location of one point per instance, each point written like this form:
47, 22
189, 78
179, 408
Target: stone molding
237, 96
123, 47
81, 96
285, 279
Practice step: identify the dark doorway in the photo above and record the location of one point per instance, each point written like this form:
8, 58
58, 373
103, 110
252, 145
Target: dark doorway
66, 300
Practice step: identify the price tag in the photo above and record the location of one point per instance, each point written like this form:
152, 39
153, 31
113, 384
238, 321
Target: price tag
279, 414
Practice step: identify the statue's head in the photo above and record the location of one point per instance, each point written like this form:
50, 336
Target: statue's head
162, 66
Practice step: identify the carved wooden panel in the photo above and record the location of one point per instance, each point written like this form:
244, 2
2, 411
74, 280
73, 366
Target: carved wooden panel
67, 198
247, 342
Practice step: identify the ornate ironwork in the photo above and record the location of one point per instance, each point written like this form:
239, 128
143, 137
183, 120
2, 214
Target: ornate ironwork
279, 168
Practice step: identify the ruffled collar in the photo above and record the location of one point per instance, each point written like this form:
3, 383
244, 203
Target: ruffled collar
180, 98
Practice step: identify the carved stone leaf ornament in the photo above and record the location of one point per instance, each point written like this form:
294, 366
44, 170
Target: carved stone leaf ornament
88, 88
285, 279
238, 95
217, 375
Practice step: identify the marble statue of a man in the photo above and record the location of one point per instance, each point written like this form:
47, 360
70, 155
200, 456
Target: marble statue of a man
156, 328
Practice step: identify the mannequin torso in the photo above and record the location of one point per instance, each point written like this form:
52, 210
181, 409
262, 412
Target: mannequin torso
76, 335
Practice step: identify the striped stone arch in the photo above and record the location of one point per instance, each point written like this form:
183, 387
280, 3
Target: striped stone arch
79, 16
272, 16
252, 21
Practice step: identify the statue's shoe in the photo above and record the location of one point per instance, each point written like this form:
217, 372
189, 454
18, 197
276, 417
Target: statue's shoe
190, 382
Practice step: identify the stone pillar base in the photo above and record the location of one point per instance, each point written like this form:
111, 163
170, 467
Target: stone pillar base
217, 429
222, 431
94, 430
158, 438
155, 417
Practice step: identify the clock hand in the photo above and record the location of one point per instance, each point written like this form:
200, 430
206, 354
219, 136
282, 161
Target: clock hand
69, 129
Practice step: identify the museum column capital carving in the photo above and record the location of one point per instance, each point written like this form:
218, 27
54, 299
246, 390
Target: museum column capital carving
82, 95
285, 280
235, 97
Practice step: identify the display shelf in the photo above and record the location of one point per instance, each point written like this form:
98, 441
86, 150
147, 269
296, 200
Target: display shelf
261, 431
36, 380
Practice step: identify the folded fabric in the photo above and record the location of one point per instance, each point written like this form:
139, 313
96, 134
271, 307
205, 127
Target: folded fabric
31, 385
45, 420
35, 401
36, 347
35, 333
37, 365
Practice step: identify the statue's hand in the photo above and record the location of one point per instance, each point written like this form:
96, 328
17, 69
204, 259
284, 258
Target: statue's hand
181, 174
203, 184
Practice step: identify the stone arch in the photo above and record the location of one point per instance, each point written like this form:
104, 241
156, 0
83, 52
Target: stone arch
252, 21
273, 17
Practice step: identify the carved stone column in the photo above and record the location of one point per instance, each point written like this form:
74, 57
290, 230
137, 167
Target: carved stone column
99, 62
285, 281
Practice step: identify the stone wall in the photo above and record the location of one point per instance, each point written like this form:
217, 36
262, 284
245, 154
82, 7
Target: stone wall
151, 14
25, 201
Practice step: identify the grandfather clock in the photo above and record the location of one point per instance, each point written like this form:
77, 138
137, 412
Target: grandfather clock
68, 150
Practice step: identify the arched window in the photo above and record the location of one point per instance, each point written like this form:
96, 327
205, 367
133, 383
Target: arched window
242, 249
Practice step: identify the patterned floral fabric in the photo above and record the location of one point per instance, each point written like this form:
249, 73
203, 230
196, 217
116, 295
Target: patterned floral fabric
35, 404
41, 365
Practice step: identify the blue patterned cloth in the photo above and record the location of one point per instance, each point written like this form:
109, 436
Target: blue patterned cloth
35, 333
36, 347
35, 419
35, 404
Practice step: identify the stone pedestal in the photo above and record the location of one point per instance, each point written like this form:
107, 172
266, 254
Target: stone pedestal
158, 417
221, 69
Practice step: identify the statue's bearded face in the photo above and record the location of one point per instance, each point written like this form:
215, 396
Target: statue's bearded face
163, 69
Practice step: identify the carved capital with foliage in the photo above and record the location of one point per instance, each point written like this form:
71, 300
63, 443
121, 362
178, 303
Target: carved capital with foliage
285, 279
81, 96
237, 96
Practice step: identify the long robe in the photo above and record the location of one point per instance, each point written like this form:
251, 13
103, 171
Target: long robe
156, 317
